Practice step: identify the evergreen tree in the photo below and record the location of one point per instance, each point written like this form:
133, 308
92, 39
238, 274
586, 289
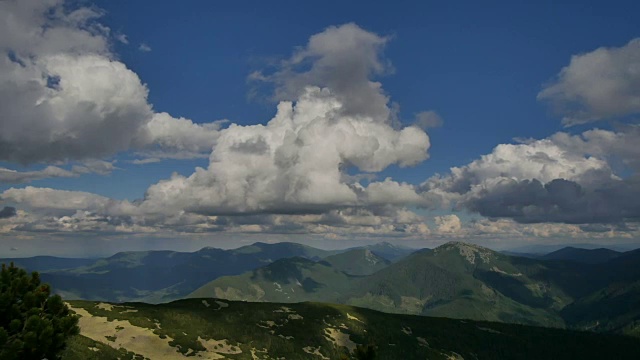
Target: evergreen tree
34, 325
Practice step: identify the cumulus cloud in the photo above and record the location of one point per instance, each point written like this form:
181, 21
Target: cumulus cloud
530, 201
287, 175
85, 212
561, 179
601, 84
295, 163
448, 224
343, 59
63, 201
63, 94
310, 169
182, 136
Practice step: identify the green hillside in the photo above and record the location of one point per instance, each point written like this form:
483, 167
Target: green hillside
286, 280
455, 280
462, 281
220, 329
389, 251
358, 262
160, 276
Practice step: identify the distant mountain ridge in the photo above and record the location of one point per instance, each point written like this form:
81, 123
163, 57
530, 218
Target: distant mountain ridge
163, 275
588, 256
457, 280
46, 263
576, 288
388, 251
358, 261
159, 276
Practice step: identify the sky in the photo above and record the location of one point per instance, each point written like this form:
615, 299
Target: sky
131, 126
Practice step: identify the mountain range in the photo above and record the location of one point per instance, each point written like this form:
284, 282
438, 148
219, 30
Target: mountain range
574, 288
161, 276
457, 280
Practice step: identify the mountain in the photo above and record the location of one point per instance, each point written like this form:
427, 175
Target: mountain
46, 263
455, 280
286, 280
284, 250
157, 276
358, 262
461, 280
389, 251
542, 249
615, 304
216, 329
588, 256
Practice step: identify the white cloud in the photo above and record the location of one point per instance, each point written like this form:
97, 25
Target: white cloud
16, 177
392, 192
122, 38
293, 163
182, 136
64, 96
296, 162
601, 84
65, 202
148, 160
343, 59
9, 176
561, 179
428, 119
448, 224
144, 47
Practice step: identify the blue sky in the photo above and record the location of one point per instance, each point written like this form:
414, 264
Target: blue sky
481, 67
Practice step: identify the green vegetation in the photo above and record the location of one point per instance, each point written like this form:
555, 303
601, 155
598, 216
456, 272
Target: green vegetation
457, 280
240, 330
33, 324
161, 276
286, 280
358, 262
81, 347
593, 290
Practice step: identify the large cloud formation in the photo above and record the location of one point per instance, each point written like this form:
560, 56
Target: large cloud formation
294, 173
64, 95
601, 84
297, 162
311, 168
562, 179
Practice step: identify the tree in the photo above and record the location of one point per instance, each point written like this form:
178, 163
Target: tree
34, 324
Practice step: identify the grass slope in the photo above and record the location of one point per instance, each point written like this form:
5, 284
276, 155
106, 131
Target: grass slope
455, 280
215, 329
358, 262
286, 280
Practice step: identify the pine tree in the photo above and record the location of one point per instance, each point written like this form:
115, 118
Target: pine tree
34, 324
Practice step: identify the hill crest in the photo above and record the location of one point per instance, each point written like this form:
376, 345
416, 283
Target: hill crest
471, 252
